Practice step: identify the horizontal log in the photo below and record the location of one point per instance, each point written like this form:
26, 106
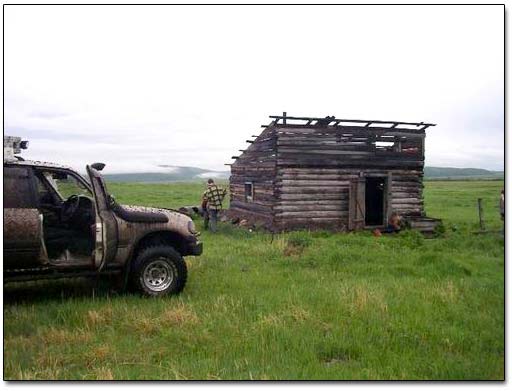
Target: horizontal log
416, 186
265, 137
311, 189
256, 186
262, 184
335, 121
406, 134
261, 178
325, 141
262, 200
290, 137
281, 152
244, 167
251, 206
262, 195
363, 158
239, 181
265, 173
405, 208
409, 190
311, 208
242, 212
317, 214
386, 154
334, 145
319, 177
346, 153
406, 200
354, 161
257, 153
311, 197
405, 183
335, 170
244, 163
259, 201
304, 183
290, 221
240, 188
264, 155
399, 179
338, 203
400, 194
312, 171
349, 129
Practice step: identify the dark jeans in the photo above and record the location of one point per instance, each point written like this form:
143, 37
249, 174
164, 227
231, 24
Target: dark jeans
210, 220
390, 229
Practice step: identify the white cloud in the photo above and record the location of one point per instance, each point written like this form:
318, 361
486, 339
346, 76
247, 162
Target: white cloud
211, 175
144, 86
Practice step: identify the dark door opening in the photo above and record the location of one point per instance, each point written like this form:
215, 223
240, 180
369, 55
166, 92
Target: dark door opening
374, 200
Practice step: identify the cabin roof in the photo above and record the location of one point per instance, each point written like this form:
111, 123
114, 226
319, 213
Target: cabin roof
332, 121
296, 132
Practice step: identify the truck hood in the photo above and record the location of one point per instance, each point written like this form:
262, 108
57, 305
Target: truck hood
168, 218
155, 213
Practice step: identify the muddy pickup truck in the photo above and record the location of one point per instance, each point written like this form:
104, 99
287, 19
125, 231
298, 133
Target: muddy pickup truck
57, 224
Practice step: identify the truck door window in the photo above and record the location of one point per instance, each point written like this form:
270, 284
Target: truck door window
44, 192
19, 190
66, 184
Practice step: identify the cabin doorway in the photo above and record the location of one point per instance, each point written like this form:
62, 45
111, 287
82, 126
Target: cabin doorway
375, 201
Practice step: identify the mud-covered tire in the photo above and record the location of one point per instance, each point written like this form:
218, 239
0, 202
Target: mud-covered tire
159, 271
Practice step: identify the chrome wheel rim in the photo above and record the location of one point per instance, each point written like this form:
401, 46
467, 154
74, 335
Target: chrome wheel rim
158, 275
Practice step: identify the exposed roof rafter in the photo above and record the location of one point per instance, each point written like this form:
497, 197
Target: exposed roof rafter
335, 122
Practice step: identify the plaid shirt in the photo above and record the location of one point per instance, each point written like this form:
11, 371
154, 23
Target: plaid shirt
214, 197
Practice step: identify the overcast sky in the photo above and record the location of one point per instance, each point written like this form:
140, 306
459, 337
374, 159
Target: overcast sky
139, 87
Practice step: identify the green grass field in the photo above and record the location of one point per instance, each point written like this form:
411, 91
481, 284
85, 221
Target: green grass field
295, 306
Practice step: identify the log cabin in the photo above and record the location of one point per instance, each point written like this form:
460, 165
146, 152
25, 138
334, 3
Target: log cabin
331, 173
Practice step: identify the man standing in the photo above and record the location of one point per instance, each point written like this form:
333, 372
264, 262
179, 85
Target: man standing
212, 197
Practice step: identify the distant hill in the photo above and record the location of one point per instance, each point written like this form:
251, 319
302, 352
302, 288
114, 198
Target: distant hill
461, 173
173, 174
177, 173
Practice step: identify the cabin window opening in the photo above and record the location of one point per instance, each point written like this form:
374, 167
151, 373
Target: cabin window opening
249, 192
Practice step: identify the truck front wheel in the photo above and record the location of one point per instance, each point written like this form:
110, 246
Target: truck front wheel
158, 271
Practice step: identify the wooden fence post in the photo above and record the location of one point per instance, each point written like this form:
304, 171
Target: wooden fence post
481, 215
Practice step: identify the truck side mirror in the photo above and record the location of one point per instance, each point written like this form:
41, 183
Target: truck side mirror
98, 166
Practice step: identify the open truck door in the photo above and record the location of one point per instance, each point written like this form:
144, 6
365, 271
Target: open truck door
23, 224
106, 224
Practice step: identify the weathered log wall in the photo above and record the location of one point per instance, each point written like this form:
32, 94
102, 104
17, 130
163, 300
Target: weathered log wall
361, 147
407, 192
311, 198
256, 165
319, 197
302, 175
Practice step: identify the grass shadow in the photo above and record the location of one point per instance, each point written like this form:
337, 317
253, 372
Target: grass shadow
56, 290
